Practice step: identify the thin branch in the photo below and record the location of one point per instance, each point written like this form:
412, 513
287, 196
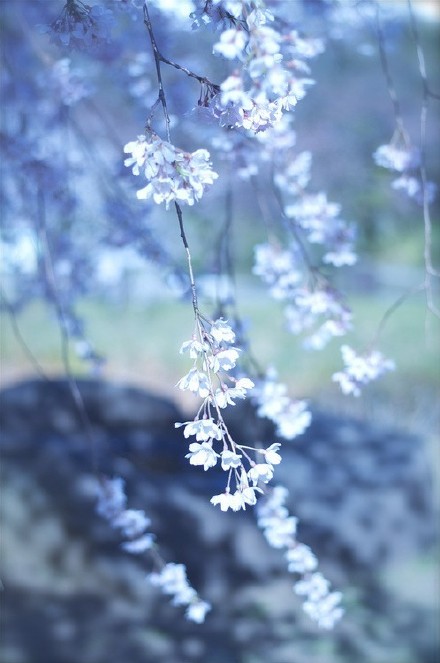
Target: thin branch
294, 230
189, 261
157, 61
203, 80
162, 98
50, 279
391, 309
423, 171
430, 271
387, 73
20, 338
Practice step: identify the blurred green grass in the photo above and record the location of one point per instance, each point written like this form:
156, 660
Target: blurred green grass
142, 341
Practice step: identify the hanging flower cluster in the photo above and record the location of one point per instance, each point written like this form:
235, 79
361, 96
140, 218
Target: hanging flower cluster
311, 213
133, 525
69, 84
312, 304
211, 379
359, 370
293, 273
401, 157
271, 77
279, 528
172, 174
173, 581
291, 417
81, 26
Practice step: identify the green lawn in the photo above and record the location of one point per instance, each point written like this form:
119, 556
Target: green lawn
142, 343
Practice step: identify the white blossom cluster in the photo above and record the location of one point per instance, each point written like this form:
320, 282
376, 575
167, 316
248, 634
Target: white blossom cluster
279, 528
360, 370
210, 378
272, 77
81, 26
401, 157
133, 523
69, 84
173, 581
312, 213
291, 417
172, 174
312, 305
319, 219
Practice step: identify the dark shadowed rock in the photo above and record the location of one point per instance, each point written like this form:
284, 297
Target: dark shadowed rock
71, 594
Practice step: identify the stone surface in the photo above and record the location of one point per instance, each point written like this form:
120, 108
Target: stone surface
71, 594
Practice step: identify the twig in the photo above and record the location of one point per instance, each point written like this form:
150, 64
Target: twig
391, 309
50, 280
20, 339
429, 268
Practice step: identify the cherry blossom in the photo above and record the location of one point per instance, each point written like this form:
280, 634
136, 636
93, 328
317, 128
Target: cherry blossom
172, 580
230, 459
173, 175
204, 429
226, 501
291, 417
279, 528
202, 454
360, 370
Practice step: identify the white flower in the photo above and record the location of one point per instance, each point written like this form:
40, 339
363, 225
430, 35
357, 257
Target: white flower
301, 559
290, 417
315, 587
277, 268
232, 93
172, 174
172, 578
360, 370
196, 611
258, 17
140, 545
231, 44
185, 595
132, 522
294, 420
397, 158
137, 149
271, 455
248, 494
409, 184
194, 347
280, 532
224, 396
325, 611
111, 497
273, 518
224, 360
203, 429
261, 471
202, 454
221, 331
230, 460
244, 383
226, 501
195, 381
261, 116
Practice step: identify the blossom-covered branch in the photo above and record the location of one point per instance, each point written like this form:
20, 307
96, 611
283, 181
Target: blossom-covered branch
133, 524
279, 528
